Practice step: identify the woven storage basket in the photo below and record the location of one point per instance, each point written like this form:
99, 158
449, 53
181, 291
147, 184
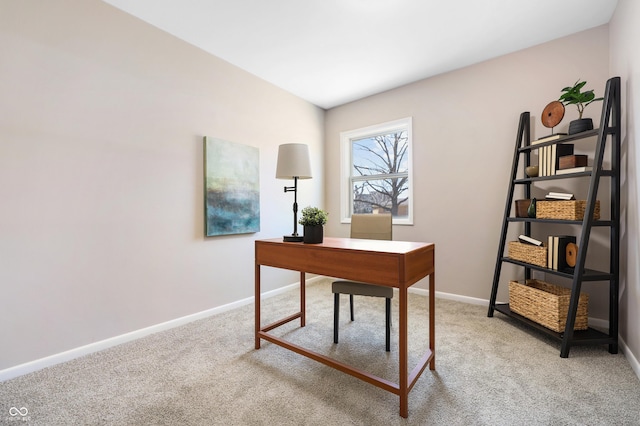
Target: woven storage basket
547, 304
566, 210
528, 253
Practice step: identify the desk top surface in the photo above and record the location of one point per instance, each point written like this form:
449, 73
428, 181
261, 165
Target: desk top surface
383, 246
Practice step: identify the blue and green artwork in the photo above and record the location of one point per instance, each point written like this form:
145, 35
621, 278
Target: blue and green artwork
232, 188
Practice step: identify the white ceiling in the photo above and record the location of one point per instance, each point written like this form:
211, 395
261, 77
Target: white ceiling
330, 52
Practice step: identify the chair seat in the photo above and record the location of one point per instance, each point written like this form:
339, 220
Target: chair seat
361, 289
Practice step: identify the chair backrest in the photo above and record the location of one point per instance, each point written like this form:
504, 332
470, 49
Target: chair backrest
371, 226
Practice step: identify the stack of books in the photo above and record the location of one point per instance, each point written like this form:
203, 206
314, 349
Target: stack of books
572, 164
548, 155
529, 240
556, 251
559, 196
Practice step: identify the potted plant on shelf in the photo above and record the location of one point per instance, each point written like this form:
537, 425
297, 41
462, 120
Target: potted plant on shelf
574, 96
313, 220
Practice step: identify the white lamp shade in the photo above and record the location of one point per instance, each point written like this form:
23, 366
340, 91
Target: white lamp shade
293, 161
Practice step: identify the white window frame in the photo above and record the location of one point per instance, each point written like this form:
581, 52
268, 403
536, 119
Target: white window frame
346, 164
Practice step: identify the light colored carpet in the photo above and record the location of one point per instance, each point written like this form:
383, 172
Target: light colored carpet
489, 371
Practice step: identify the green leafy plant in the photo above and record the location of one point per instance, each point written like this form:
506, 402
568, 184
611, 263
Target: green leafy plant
574, 96
312, 216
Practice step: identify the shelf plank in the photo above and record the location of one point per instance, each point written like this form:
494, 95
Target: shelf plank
590, 336
563, 221
563, 139
529, 180
589, 274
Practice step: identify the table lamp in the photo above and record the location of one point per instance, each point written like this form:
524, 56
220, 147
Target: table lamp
293, 163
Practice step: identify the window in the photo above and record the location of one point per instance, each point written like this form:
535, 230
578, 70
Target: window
376, 171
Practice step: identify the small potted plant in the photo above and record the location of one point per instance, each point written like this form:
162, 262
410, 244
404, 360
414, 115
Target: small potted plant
574, 96
313, 220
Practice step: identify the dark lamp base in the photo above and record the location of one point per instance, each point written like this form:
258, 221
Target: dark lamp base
293, 238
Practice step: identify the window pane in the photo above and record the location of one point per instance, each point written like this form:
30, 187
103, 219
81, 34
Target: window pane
375, 171
382, 196
380, 155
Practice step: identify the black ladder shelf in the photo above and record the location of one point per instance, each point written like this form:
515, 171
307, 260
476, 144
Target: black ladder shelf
609, 131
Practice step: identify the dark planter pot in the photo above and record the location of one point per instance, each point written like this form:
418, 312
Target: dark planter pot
313, 234
581, 125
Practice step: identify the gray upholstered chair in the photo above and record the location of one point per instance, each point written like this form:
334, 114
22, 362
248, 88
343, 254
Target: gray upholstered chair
372, 227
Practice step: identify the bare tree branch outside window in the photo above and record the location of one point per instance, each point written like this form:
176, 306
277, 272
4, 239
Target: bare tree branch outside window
380, 175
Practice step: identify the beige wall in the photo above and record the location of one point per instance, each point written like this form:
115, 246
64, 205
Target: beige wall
101, 175
464, 128
625, 62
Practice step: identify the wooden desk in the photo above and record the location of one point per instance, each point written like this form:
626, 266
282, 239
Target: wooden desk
398, 264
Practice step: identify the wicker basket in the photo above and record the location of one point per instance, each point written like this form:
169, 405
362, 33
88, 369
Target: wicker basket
528, 253
565, 210
547, 304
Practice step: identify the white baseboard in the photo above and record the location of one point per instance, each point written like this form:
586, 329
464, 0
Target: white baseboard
633, 361
450, 296
69, 355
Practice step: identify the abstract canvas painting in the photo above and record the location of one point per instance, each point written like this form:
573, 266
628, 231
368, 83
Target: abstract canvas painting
232, 187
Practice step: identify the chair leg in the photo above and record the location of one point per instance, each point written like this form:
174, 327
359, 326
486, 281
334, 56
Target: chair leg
388, 323
351, 305
336, 316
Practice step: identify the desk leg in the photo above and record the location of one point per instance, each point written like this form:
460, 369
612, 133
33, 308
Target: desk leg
257, 305
432, 319
402, 343
303, 304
